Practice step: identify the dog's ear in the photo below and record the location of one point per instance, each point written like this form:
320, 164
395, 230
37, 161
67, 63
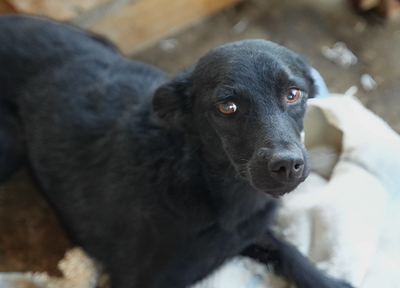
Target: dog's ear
319, 83
172, 103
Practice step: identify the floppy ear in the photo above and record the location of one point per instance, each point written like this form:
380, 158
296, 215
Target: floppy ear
319, 83
318, 87
172, 103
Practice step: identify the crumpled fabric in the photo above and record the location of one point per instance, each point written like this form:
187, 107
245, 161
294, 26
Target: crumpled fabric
346, 216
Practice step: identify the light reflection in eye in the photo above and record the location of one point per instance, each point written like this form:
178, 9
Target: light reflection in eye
227, 108
293, 95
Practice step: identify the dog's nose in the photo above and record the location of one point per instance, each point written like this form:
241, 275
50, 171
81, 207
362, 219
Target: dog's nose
286, 165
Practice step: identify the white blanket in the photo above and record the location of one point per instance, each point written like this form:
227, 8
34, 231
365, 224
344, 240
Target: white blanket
345, 217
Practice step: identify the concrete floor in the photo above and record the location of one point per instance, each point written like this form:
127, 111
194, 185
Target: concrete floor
31, 238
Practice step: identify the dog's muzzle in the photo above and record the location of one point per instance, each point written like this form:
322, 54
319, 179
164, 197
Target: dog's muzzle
278, 171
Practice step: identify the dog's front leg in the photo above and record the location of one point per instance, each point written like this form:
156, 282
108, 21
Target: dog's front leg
289, 263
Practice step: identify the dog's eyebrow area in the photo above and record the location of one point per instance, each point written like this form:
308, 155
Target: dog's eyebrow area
286, 79
230, 93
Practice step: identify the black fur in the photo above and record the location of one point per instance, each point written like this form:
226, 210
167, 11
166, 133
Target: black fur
143, 171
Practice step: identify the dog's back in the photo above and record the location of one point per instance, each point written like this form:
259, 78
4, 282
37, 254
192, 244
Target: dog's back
39, 59
29, 45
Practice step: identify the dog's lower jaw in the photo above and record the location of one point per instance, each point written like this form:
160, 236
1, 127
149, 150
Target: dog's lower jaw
278, 193
274, 188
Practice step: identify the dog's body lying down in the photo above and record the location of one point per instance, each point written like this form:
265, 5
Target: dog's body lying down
160, 179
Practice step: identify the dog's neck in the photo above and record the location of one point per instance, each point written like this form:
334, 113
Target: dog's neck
236, 198
232, 196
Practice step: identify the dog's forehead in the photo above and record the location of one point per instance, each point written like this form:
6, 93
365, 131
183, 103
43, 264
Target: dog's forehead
251, 58
247, 50
249, 44
258, 63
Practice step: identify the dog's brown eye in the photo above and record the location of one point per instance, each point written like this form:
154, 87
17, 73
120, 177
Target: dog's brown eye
227, 108
293, 95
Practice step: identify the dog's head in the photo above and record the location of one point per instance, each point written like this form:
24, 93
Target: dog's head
246, 101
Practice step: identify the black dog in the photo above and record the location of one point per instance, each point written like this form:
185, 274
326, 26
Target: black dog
160, 179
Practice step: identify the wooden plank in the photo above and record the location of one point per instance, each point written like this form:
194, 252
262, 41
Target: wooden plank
60, 10
365, 5
5, 8
145, 21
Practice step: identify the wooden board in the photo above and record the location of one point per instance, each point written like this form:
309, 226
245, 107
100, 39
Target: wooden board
142, 22
60, 10
130, 24
5, 8
365, 5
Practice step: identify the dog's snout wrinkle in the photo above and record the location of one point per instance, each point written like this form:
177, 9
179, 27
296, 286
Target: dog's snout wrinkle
286, 166
263, 155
